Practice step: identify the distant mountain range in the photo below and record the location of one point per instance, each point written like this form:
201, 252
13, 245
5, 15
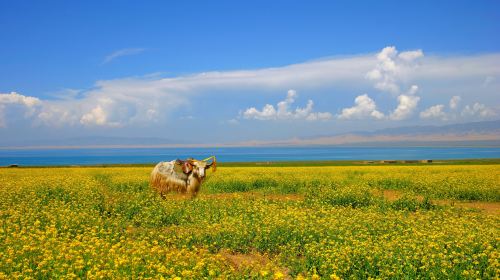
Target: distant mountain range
486, 133
485, 127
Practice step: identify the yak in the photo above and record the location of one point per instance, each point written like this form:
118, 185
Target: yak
183, 176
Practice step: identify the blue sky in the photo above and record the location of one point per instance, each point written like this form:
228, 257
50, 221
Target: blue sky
217, 71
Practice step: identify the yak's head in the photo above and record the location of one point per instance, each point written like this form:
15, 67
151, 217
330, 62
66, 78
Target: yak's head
197, 167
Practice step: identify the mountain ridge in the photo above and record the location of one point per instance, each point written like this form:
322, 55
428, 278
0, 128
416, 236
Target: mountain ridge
485, 133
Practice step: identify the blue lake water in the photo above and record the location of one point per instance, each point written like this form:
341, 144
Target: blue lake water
240, 154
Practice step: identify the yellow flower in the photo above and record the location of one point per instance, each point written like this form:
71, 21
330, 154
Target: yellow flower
334, 277
278, 275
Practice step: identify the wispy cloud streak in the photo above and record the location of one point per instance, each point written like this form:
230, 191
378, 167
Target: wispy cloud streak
122, 52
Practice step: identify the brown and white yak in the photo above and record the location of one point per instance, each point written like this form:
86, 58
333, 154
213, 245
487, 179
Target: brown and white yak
180, 176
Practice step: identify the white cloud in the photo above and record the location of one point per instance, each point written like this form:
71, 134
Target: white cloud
96, 116
410, 56
388, 73
283, 111
470, 112
267, 113
478, 110
16, 98
407, 104
434, 112
392, 67
454, 102
122, 52
107, 113
26, 105
365, 108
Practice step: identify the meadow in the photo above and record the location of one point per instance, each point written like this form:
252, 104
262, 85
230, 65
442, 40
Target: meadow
256, 222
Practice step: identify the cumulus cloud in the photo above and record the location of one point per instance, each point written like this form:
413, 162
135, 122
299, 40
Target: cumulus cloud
454, 102
364, 107
96, 116
434, 112
392, 67
478, 110
407, 104
16, 98
474, 111
283, 112
267, 113
26, 105
122, 52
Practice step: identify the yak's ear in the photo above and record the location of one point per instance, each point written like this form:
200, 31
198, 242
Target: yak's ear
187, 167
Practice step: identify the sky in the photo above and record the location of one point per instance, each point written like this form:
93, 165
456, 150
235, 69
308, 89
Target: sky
232, 71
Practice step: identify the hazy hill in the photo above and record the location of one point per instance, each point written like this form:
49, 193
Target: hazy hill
485, 133
464, 128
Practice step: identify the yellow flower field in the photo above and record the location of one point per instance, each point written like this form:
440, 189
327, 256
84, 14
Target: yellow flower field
322, 222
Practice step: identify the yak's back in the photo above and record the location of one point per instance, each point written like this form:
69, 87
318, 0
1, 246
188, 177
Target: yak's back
168, 176
170, 169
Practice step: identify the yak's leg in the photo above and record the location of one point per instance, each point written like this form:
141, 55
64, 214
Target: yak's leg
193, 186
192, 194
163, 195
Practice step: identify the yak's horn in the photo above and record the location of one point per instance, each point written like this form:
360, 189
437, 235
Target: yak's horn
213, 164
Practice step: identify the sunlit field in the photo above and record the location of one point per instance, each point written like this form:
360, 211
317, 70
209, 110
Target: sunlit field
321, 222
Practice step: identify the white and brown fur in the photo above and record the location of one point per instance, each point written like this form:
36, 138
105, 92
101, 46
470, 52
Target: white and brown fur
165, 179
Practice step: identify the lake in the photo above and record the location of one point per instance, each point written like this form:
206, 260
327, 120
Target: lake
236, 154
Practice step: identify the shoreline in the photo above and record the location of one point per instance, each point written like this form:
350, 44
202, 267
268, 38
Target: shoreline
312, 163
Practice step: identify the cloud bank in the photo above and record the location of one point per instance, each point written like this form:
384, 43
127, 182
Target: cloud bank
407, 79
